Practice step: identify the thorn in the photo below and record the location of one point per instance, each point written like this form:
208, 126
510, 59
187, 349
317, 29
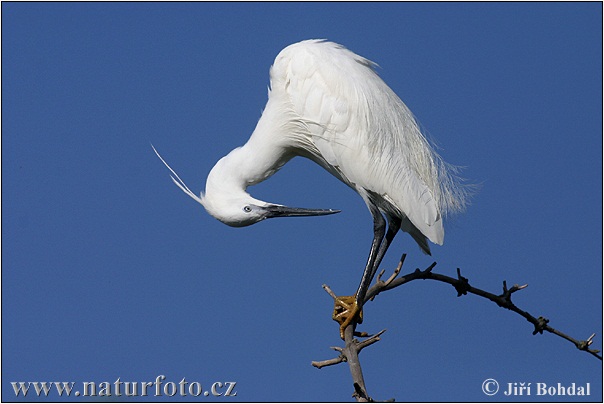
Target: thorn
540, 326
462, 286
584, 345
506, 296
396, 272
403, 258
380, 333
516, 288
431, 267
329, 291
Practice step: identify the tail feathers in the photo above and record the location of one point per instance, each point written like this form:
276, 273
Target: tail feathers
417, 235
178, 181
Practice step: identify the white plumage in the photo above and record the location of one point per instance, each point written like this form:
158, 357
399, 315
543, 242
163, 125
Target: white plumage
334, 106
328, 104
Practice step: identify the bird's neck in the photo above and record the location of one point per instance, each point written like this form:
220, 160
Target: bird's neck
244, 166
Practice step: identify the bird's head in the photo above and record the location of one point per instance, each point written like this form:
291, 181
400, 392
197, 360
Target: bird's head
226, 199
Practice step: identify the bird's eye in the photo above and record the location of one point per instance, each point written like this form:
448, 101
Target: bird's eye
247, 209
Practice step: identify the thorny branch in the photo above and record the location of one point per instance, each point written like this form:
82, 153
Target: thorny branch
461, 284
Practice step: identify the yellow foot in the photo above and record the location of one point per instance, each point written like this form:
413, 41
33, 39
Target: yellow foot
346, 310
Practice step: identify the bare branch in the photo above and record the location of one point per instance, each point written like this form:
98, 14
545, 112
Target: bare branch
350, 352
463, 287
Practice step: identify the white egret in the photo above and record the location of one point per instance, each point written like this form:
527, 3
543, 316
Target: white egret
328, 104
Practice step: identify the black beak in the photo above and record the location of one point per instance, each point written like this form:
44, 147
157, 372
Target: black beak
285, 211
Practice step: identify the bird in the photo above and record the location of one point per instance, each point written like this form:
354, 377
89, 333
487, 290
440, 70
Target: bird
329, 105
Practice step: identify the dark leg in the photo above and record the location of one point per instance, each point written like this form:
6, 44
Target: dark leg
349, 308
394, 225
379, 228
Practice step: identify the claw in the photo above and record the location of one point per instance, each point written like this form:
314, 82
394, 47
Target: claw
347, 310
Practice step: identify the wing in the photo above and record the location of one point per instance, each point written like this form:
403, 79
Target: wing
316, 95
359, 129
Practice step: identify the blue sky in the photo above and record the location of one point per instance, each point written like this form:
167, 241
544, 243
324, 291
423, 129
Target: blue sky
108, 270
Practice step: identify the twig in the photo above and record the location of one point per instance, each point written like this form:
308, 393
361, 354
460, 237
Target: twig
463, 287
371, 340
330, 292
328, 362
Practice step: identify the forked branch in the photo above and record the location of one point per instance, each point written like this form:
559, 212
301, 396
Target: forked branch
350, 352
463, 287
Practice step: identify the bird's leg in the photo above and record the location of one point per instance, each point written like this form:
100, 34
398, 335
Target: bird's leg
348, 309
394, 225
